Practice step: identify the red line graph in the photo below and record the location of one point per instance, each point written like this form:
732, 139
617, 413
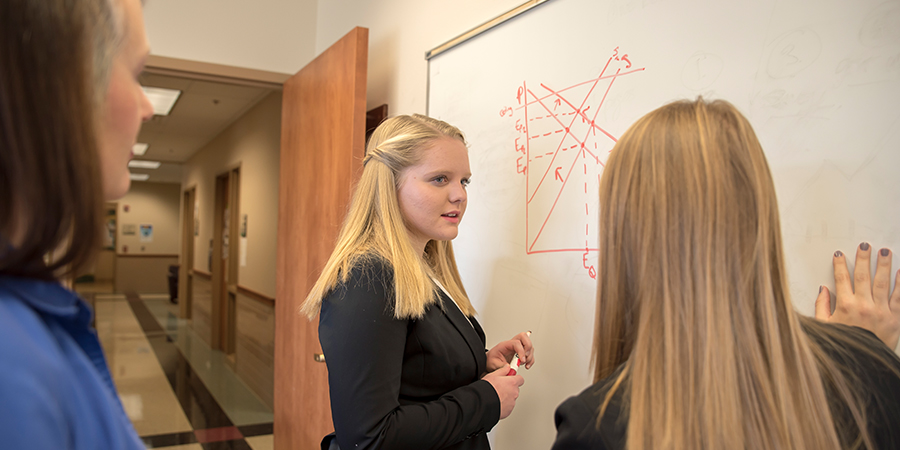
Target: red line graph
559, 130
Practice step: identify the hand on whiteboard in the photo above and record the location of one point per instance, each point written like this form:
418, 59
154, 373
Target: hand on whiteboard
507, 387
862, 301
503, 353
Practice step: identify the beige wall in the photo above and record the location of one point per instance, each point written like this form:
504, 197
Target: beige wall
400, 33
143, 268
153, 204
105, 265
143, 274
272, 35
253, 143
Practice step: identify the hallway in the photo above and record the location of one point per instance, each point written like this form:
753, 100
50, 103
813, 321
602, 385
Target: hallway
178, 393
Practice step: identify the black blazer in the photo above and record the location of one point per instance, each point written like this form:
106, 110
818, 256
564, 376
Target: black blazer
576, 418
403, 384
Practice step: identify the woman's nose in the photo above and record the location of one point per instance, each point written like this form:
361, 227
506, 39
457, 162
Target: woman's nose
458, 194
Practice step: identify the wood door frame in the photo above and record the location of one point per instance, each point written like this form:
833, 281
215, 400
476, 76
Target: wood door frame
321, 158
229, 311
220, 199
188, 246
224, 277
115, 253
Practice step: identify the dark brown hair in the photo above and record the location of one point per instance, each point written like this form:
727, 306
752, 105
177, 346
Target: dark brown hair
54, 62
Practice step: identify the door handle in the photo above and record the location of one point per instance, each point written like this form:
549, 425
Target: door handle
319, 357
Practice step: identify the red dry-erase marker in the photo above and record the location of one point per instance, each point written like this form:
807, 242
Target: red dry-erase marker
516, 362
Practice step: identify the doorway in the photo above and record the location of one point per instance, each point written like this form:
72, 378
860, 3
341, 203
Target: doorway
225, 262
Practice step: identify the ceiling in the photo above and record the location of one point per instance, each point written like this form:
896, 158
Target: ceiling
204, 109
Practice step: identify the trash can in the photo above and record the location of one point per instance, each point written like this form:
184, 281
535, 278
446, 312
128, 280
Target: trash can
173, 283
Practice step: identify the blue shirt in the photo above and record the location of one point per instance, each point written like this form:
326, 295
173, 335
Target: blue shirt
56, 391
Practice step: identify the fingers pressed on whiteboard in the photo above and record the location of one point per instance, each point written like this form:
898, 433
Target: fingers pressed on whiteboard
823, 304
895, 297
843, 287
862, 271
881, 285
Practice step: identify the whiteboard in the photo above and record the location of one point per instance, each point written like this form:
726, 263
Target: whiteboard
818, 79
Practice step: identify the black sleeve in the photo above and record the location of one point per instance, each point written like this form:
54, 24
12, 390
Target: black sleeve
576, 427
364, 350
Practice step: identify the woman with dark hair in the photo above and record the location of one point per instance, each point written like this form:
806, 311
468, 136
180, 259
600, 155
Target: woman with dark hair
70, 110
697, 344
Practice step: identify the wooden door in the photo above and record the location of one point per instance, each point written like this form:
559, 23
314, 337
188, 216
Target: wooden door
322, 145
224, 263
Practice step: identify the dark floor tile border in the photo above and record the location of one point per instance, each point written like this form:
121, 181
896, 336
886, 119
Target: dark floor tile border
143, 315
218, 434
200, 407
260, 429
237, 444
167, 440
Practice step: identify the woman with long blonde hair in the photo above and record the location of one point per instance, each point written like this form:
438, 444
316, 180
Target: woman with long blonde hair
697, 344
407, 365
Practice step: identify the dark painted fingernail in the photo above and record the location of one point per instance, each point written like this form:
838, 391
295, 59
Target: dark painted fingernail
864, 246
820, 289
885, 252
838, 254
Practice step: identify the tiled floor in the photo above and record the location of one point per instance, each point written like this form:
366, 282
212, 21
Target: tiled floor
179, 394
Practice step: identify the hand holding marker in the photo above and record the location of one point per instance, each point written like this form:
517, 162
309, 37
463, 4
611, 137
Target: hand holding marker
515, 363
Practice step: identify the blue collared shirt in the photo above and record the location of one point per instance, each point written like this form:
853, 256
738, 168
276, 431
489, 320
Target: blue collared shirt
56, 391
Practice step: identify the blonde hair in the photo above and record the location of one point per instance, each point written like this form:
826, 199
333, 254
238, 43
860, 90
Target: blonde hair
693, 297
375, 228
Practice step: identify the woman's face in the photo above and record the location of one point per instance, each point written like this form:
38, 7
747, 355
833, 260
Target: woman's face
432, 193
125, 106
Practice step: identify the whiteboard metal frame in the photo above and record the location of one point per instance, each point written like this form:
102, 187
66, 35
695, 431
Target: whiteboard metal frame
496, 21
484, 27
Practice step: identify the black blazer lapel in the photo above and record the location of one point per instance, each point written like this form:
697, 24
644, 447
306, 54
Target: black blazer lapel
472, 333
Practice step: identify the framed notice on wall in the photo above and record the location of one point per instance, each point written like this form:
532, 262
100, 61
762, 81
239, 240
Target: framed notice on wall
146, 233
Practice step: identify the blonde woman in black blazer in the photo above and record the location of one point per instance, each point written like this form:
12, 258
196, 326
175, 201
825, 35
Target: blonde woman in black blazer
407, 364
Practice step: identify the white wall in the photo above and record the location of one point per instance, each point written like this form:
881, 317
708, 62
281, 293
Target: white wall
400, 32
271, 35
284, 35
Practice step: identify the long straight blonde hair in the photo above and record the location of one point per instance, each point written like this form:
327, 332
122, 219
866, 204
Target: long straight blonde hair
693, 298
375, 228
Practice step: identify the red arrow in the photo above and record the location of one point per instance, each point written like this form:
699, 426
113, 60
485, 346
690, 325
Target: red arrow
558, 176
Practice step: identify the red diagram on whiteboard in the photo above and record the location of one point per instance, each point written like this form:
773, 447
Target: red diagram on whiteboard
561, 149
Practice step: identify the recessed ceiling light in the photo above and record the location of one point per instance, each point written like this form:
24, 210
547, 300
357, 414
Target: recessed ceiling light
139, 148
162, 99
143, 164
140, 176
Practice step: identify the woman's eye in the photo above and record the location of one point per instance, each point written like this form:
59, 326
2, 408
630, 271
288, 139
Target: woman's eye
440, 179
465, 182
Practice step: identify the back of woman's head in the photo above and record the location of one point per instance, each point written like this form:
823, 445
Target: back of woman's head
688, 212
375, 227
54, 66
692, 295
